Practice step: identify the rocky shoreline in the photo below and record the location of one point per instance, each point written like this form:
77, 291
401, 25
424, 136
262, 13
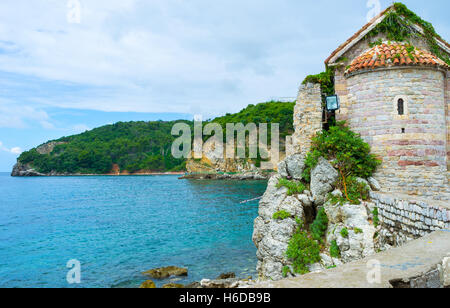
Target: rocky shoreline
25, 170
223, 281
247, 176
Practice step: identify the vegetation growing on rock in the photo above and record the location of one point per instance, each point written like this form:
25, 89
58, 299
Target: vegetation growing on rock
286, 270
344, 233
320, 225
349, 154
376, 219
292, 186
302, 250
358, 230
281, 215
334, 250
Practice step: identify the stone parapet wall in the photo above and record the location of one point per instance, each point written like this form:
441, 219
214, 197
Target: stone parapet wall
404, 217
307, 118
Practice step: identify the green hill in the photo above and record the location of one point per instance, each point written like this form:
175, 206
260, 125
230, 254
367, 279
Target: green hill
136, 146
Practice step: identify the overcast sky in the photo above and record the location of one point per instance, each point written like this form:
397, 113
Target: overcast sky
161, 59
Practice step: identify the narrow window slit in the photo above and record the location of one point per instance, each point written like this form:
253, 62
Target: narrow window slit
401, 107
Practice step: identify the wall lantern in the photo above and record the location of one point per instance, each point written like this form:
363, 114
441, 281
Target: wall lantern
333, 103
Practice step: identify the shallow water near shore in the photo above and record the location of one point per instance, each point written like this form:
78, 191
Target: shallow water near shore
118, 227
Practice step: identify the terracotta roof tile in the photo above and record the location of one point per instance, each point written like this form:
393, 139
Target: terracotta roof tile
394, 54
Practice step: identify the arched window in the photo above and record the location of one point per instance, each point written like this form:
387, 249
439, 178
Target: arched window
401, 106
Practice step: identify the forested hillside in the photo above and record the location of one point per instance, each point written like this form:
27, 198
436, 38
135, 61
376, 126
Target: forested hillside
138, 146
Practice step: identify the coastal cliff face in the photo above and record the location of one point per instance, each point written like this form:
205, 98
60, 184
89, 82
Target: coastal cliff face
213, 161
20, 169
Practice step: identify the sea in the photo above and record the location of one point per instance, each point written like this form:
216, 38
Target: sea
105, 231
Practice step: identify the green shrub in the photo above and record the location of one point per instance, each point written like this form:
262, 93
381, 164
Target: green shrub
320, 225
344, 233
334, 250
302, 250
292, 186
358, 230
349, 153
376, 219
281, 215
286, 270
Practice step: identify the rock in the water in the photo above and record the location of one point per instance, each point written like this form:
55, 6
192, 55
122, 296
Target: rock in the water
148, 285
220, 283
164, 272
323, 177
193, 285
173, 286
227, 276
295, 165
374, 184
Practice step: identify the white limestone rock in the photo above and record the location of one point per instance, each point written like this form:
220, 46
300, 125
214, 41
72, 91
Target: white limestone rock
293, 206
271, 236
323, 177
360, 240
282, 171
365, 182
272, 198
374, 184
295, 165
446, 272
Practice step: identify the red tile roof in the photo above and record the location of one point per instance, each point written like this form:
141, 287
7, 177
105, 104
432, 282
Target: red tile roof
394, 54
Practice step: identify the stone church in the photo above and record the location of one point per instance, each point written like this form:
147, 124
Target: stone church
396, 94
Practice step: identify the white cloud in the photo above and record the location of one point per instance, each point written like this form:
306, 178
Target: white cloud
158, 56
15, 150
20, 116
193, 56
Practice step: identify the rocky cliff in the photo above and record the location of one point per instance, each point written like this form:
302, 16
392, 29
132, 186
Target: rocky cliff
20, 169
349, 236
214, 161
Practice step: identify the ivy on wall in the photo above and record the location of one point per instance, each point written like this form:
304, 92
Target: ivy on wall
398, 26
326, 80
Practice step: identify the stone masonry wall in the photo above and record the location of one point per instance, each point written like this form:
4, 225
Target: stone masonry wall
413, 146
447, 113
404, 218
307, 118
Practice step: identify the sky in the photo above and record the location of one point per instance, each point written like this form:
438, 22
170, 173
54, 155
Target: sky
67, 66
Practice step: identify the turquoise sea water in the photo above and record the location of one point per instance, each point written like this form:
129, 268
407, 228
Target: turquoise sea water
118, 227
